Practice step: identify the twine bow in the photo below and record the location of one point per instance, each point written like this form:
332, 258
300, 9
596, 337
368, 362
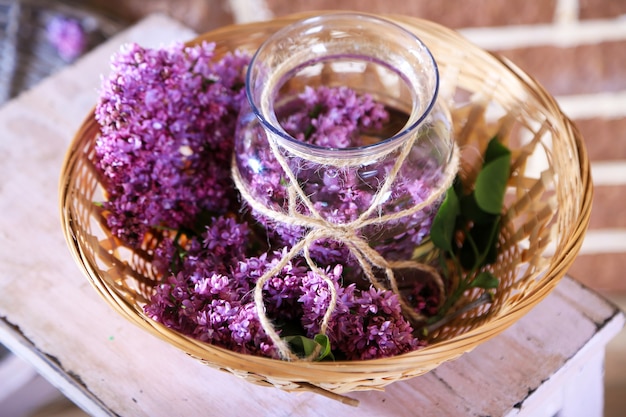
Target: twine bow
346, 233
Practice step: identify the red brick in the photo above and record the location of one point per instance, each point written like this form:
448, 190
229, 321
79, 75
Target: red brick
200, 15
603, 272
605, 139
451, 13
601, 9
581, 69
608, 210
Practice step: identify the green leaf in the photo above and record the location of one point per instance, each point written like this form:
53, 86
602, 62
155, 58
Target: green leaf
485, 280
471, 211
304, 346
324, 342
491, 184
444, 224
495, 150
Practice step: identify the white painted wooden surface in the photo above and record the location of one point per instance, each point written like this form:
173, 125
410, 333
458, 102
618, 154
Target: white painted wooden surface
548, 362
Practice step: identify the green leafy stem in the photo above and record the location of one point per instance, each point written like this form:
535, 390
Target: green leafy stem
467, 226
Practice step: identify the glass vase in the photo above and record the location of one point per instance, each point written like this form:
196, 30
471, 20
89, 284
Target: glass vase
343, 137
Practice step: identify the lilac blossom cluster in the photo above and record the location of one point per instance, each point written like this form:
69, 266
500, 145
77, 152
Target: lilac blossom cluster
210, 298
67, 36
167, 120
331, 117
167, 117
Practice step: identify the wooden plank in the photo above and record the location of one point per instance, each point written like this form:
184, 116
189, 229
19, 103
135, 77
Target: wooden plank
50, 315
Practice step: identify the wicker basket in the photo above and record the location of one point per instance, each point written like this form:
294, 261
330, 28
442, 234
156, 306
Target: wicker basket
547, 211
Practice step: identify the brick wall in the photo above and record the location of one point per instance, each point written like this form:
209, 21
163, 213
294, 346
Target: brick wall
575, 48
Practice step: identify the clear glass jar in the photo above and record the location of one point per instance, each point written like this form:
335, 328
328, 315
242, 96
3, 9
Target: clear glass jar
365, 168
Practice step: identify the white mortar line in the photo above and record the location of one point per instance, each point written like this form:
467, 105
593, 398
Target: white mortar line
600, 241
604, 106
246, 11
562, 35
566, 11
609, 105
607, 173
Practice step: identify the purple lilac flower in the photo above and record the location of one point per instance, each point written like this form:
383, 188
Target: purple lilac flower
414, 183
366, 324
425, 297
206, 299
332, 117
210, 299
167, 118
67, 36
225, 239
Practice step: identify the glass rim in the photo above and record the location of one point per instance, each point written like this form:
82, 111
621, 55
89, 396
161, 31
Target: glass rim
406, 130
